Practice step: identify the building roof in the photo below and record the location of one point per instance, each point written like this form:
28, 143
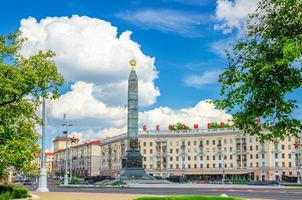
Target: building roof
61, 138
49, 153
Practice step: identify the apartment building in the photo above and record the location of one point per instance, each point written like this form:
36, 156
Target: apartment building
49, 161
207, 154
82, 159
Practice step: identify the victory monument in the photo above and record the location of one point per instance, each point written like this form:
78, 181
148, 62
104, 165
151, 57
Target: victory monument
132, 163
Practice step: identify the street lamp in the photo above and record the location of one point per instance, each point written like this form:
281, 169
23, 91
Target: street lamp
43, 176
66, 124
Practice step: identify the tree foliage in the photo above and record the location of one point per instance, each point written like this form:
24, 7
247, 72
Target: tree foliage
264, 68
23, 81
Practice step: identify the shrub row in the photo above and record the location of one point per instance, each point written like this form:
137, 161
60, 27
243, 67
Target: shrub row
16, 192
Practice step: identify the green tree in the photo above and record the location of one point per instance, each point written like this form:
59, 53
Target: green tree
23, 82
264, 68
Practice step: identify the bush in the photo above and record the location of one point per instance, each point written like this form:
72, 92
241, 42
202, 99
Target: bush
74, 180
15, 191
5, 196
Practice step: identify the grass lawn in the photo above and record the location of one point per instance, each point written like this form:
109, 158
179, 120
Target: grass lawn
188, 198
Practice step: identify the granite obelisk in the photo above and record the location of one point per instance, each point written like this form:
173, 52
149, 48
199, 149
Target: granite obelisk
132, 163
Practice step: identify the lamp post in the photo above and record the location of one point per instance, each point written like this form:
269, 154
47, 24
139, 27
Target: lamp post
66, 124
43, 176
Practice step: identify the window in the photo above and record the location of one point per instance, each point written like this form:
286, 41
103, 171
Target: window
251, 156
257, 148
176, 158
231, 157
276, 164
289, 164
231, 149
283, 155
195, 158
231, 141
150, 144
171, 150
177, 166
177, 150
220, 166
283, 164
282, 147
183, 166
263, 164
189, 166
145, 166
251, 148
289, 147
208, 165
289, 138
264, 155
144, 144
213, 157
231, 165
189, 157
225, 157
219, 157
144, 151
289, 155
189, 143
151, 151
214, 165
195, 143
145, 158
276, 155
195, 166
171, 166
171, 158
201, 157
151, 166
207, 142
213, 142
208, 158
257, 156
201, 165
251, 164
290, 173
224, 141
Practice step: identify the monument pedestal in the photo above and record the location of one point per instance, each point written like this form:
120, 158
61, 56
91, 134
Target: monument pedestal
132, 167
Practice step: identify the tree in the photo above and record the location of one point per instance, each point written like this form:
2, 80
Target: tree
23, 82
264, 68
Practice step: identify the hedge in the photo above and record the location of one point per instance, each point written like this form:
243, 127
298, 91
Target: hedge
15, 191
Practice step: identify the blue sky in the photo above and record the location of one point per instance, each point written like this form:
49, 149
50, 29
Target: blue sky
177, 54
186, 38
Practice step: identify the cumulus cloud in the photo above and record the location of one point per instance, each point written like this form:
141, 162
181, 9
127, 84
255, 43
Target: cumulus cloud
84, 109
166, 20
90, 49
207, 78
202, 113
233, 13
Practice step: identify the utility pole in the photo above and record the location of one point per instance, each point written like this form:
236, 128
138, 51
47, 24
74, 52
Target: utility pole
66, 124
43, 176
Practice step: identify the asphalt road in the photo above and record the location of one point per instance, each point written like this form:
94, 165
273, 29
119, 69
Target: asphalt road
253, 193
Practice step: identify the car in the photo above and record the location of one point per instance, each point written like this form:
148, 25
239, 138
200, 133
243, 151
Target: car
27, 182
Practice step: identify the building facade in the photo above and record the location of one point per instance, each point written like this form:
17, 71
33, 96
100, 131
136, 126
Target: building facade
207, 154
82, 159
49, 162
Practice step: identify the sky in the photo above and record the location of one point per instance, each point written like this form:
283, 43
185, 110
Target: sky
178, 44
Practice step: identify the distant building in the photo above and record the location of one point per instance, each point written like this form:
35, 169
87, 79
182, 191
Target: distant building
84, 159
49, 162
207, 154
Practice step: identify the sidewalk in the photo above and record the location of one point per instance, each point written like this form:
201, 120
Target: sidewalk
84, 196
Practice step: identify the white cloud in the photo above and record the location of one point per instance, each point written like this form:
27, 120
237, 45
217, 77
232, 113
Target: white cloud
202, 113
90, 49
233, 13
166, 20
207, 78
83, 109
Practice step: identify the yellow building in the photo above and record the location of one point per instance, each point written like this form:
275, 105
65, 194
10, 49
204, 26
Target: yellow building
49, 161
207, 154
